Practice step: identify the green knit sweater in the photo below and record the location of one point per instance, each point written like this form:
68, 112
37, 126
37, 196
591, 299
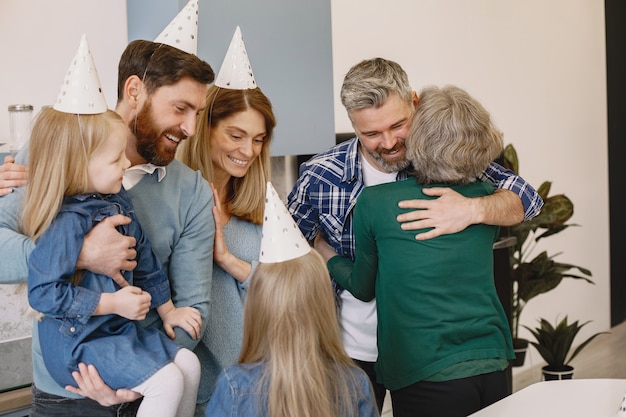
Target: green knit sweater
436, 299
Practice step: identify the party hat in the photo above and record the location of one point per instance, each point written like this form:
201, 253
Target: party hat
236, 72
282, 240
621, 412
81, 92
182, 32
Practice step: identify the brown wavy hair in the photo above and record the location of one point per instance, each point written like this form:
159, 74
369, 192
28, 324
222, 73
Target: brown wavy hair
246, 195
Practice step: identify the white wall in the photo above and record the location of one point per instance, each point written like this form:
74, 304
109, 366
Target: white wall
39, 38
538, 66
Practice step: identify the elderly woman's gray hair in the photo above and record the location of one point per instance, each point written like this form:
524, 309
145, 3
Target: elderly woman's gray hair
452, 137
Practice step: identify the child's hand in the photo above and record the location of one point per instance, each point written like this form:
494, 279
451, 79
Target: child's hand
132, 303
187, 318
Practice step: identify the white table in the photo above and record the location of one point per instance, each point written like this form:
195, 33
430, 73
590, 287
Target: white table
567, 398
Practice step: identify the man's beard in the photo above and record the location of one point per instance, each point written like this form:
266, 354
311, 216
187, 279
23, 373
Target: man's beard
148, 138
396, 165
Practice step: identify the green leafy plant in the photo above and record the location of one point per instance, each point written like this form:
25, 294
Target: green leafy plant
532, 277
555, 342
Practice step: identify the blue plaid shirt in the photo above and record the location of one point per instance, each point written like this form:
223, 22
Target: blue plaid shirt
323, 198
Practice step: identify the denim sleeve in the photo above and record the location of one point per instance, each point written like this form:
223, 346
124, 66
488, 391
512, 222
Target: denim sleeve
52, 264
155, 283
507, 180
367, 402
222, 400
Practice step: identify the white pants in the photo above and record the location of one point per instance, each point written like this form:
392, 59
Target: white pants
173, 389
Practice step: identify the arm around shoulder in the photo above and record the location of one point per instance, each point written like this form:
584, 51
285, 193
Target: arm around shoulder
15, 248
505, 179
502, 208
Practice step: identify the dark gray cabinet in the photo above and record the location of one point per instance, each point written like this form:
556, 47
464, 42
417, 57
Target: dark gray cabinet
290, 49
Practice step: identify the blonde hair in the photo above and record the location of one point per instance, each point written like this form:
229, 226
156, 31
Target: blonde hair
290, 323
59, 150
371, 82
452, 138
246, 195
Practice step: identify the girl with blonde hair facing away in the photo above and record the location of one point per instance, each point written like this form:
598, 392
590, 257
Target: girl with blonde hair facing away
292, 362
77, 162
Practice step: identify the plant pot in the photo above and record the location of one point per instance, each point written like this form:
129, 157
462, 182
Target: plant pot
520, 346
556, 373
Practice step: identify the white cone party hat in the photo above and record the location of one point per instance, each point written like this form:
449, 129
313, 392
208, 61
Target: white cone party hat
282, 240
182, 32
621, 412
81, 92
236, 72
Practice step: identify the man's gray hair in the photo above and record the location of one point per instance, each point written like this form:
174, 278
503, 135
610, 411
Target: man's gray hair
370, 82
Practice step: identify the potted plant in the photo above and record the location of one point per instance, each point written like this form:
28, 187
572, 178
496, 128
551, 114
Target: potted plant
554, 343
532, 277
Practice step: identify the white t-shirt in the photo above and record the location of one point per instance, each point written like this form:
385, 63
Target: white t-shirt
358, 318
